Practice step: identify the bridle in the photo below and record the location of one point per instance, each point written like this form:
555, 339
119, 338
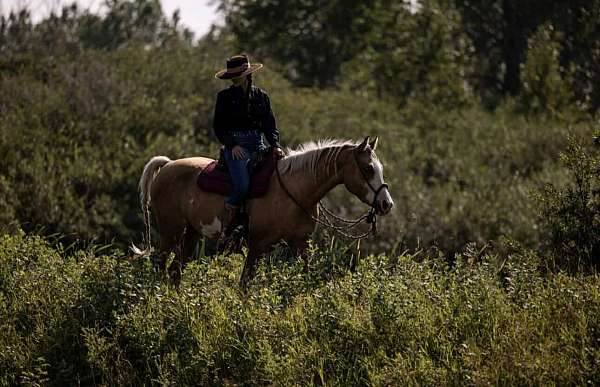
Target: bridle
372, 210
370, 217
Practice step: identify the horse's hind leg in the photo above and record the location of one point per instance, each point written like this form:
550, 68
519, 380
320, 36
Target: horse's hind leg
171, 236
183, 253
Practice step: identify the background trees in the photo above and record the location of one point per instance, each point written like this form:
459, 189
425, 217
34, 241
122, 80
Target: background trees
86, 100
309, 39
482, 43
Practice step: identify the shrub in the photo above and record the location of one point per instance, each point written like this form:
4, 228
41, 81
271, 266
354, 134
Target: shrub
93, 317
571, 214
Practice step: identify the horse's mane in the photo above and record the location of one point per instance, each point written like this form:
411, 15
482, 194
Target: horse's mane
306, 156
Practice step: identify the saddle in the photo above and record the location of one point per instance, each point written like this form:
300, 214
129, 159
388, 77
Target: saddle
215, 176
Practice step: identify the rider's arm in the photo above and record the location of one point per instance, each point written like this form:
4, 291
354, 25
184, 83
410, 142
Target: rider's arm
220, 123
269, 125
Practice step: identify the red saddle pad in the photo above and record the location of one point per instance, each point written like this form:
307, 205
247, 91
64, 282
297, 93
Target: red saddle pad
216, 180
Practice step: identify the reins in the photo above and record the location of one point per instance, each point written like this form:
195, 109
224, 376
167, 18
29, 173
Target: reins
370, 216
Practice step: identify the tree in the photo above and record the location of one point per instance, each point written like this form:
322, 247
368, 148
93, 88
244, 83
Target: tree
411, 53
309, 38
579, 23
500, 30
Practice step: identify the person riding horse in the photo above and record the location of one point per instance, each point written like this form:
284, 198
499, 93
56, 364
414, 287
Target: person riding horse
242, 116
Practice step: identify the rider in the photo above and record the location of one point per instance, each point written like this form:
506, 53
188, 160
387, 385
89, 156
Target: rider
242, 115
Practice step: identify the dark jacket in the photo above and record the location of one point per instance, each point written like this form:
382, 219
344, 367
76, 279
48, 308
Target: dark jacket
232, 114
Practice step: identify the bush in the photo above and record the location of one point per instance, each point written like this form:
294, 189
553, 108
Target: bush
95, 318
571, 214
79, 123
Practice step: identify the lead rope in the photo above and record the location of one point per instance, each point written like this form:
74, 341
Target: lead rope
370, 216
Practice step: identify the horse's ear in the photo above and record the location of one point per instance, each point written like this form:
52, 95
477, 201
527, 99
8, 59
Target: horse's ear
363, 145
373, 144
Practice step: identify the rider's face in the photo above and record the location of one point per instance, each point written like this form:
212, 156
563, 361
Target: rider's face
242, 81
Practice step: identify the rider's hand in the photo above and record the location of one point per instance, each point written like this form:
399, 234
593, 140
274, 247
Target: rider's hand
238, 152
279, 152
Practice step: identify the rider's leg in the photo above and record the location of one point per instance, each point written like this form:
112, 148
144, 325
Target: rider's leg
238, 169
240, 177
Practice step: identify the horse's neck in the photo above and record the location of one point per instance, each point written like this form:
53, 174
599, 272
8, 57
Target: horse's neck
310, 189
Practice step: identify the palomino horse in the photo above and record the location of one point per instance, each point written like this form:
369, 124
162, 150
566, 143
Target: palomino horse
287, 212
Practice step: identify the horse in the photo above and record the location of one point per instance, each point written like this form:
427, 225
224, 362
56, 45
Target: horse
288, 211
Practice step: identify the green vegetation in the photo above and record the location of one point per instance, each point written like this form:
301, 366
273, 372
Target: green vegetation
485, 272
98, 319
573, 213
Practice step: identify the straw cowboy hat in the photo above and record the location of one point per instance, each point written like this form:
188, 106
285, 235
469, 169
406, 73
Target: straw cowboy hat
238, 66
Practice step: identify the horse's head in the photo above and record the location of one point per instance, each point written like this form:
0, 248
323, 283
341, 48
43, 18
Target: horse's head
363, 176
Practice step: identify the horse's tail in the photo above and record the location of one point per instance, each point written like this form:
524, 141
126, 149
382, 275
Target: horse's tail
150, 170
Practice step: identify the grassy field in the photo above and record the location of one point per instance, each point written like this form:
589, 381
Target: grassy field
95, 318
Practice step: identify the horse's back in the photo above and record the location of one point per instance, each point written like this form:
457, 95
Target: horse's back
190, 162
176, 197
178, 174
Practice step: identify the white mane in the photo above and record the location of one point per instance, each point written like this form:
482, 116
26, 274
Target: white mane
306, 156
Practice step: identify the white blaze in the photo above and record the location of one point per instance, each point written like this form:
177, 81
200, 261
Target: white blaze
376, 181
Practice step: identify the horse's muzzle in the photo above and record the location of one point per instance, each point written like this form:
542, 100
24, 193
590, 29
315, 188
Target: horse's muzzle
384, 206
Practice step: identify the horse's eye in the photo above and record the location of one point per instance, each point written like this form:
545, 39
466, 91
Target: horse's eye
369, 169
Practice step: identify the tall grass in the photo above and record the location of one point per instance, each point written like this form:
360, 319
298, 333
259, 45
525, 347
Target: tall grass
100, 319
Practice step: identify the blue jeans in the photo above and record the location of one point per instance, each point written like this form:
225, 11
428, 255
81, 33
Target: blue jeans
238, 168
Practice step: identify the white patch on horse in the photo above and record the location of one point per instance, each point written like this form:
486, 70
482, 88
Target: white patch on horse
377, 180
211, 230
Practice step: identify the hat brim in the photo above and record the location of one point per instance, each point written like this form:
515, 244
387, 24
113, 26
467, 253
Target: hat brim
223, 74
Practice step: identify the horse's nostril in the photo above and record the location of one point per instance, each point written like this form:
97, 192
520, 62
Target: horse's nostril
385, 205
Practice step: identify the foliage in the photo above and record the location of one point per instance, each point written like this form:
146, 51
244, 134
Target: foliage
71, 32
446, 45
572, 213
499, 30
410, 55
86, 100
324, 34
79, 124
579, 24
546, 88
92, 318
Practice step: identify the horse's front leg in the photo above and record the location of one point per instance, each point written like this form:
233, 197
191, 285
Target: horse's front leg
256, 248
258, 245
249, 269
299, 247
298, 241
